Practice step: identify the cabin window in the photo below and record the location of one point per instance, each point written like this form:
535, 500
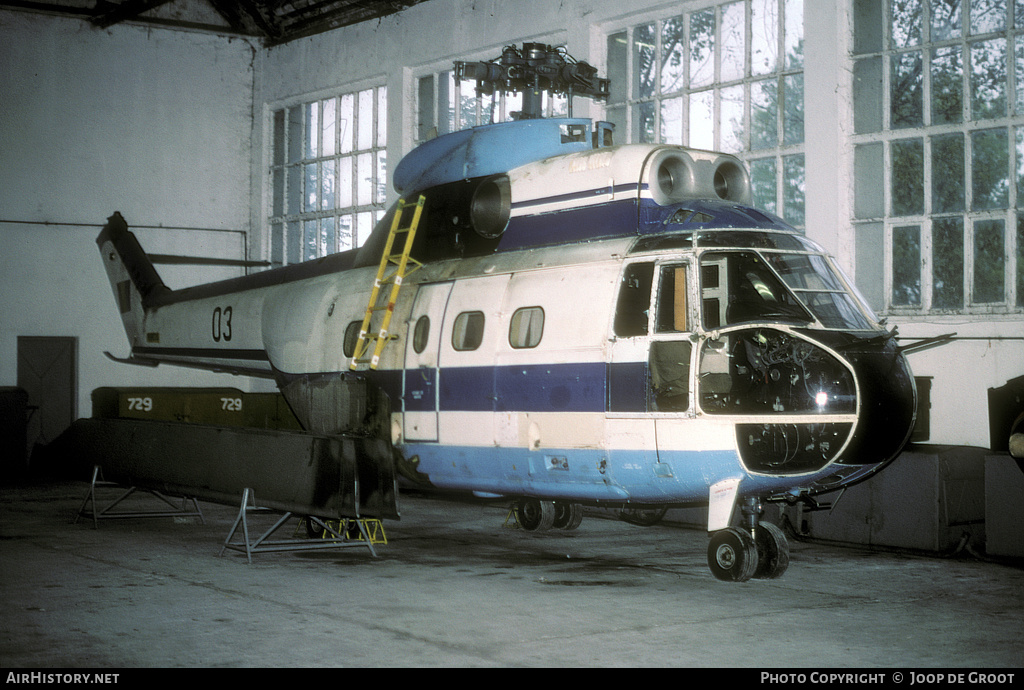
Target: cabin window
672, 302
420, 334
328, 174
468, 331
634, 301
348, 345
938, 142
526, 328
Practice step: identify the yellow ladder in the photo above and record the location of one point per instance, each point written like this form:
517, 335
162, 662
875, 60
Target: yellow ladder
356, 529
401, 262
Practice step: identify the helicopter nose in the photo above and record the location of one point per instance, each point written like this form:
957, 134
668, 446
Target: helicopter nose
888, 404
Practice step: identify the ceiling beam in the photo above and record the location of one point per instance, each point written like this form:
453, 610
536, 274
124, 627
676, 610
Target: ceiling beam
318, 17
47, 8
124, 11
274, 21
266, 23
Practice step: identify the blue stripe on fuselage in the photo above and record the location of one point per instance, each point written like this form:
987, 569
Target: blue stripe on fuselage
631, 216
612, 219
569, 387
614, 475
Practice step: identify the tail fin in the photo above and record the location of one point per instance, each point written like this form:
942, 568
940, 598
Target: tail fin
135, 282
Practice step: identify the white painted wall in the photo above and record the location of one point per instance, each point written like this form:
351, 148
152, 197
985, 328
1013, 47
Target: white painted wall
152, 123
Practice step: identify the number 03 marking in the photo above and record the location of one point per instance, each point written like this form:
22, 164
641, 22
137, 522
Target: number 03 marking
221, 326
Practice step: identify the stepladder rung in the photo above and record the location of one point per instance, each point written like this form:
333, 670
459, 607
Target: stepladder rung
405, 265
383, 335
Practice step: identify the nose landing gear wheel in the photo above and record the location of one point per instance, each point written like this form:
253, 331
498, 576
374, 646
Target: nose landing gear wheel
732, 555
772, 551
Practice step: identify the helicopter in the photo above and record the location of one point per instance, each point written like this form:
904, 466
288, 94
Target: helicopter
563, 322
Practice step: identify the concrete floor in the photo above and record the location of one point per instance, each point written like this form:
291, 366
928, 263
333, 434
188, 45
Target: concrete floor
454, 587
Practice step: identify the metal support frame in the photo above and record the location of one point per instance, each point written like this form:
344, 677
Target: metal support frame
512, 519
107, 513
332, 539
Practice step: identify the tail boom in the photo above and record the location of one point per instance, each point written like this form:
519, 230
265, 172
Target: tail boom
216, 332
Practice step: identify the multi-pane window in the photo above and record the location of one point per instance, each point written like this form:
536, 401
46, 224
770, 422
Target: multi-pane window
727, 77
328, 174
938, 108
445, 105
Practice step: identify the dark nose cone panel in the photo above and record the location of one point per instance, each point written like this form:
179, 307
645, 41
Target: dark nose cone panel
888, 405
888, 408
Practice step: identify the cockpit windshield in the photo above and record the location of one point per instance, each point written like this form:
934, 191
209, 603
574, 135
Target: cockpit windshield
745, 286
812, 279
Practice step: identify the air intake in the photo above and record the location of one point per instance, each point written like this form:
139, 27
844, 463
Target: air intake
491, 206
676, 175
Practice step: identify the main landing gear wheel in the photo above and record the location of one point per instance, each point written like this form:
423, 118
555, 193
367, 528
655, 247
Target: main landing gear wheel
535, 515
732, 555
772, 551
567, 515
313, 529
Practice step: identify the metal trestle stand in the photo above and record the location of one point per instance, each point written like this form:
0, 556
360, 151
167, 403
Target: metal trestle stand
108, 513
332, 538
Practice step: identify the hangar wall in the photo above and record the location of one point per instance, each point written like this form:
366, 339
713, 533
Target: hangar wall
152, 123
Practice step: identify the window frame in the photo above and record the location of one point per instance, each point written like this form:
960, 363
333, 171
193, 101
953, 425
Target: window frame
309, 211
350, 340
917, 223
462, 345
530, 343
778, 169
421, 334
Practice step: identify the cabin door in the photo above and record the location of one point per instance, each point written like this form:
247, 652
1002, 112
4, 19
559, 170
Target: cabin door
649, 381
629, 427
419, 393
670, 360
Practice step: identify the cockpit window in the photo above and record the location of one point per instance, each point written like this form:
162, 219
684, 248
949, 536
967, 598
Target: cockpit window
744, 287
812, 279
739, 287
